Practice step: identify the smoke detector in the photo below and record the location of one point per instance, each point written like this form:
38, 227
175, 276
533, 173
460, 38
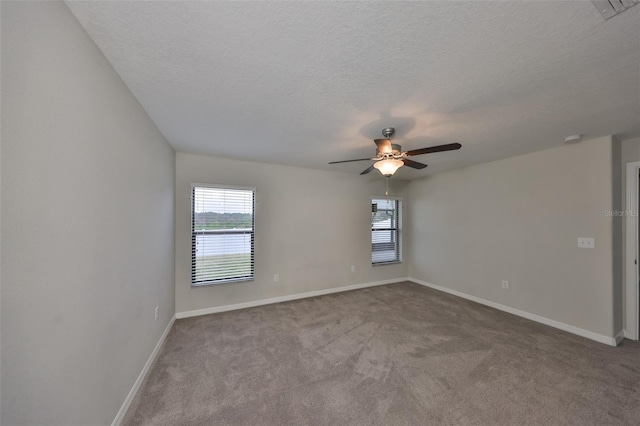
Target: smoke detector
610, 8
573, 139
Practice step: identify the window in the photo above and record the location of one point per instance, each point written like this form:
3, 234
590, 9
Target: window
385, 231
222, 234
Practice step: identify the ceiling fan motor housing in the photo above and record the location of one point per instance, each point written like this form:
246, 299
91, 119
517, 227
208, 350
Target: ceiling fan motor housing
396, 151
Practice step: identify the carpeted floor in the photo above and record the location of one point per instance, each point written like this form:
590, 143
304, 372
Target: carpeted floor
395, 354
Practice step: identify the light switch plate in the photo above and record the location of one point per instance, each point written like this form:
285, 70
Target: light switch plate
586, 242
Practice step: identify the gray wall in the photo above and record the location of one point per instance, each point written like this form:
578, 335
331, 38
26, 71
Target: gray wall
617, 248
87, 225
0, 218
518, 220
630, 151
311, 226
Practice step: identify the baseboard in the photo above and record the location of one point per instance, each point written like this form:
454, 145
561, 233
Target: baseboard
612, 341
225, 308
142, 375
619, 337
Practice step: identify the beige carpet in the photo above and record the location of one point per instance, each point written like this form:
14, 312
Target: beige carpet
395, 354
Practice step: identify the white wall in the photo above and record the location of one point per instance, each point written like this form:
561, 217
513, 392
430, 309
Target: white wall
87, 225
311, 226
518, 220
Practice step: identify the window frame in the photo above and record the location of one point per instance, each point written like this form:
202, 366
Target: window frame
397, 231
227, 280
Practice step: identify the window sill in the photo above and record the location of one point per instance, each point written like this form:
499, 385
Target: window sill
222, 282
395, 262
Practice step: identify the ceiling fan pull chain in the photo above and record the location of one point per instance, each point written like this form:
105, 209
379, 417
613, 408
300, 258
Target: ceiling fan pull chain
387, 191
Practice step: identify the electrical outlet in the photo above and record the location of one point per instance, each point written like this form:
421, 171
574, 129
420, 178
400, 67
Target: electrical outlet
505, 284
586, 242
157, 311
353, 268
276, 277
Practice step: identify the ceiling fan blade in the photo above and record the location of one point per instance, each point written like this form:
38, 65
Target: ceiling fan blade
413, 164
384, 145
370, 169
437, 148
350, 161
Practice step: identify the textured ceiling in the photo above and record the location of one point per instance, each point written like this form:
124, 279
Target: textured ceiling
305, 83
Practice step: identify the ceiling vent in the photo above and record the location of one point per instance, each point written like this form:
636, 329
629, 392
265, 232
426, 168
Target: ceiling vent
609, 8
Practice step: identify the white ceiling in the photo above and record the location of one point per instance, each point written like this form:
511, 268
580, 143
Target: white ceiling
305, 83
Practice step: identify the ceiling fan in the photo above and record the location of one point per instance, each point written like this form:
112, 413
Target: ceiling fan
390, 157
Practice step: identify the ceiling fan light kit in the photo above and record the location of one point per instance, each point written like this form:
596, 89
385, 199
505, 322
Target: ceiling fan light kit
390, 157
388, 167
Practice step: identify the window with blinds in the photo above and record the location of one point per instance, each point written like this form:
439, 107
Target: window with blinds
385, 231
222, 234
